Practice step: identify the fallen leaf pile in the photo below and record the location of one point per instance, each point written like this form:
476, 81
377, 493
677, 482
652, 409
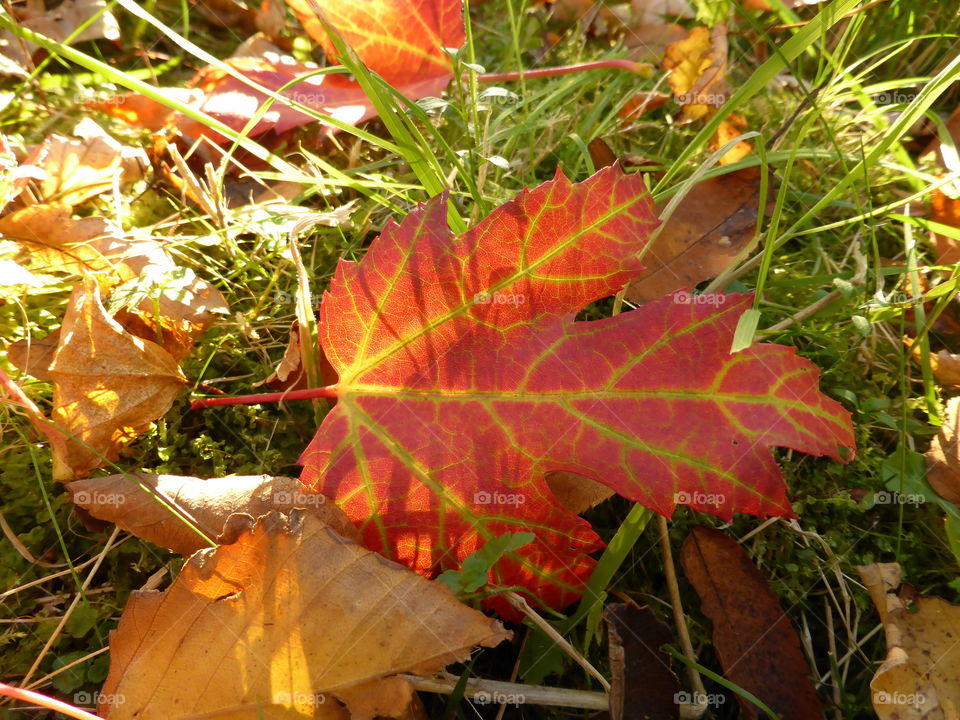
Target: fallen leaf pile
113, 374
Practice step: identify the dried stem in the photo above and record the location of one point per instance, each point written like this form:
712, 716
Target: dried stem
680, 620
523, 606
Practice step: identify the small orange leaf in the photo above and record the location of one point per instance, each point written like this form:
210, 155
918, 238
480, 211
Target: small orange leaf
108, 384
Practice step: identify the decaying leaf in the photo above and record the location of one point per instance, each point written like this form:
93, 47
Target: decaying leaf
755, 644
731, 127
943, 458
122, 500
75, 170
698, 69
463, 380
108, 384
289, 620
642, 687
706, 231
920, 677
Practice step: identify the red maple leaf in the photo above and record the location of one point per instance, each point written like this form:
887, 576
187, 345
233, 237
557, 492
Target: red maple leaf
401, 40
463, 379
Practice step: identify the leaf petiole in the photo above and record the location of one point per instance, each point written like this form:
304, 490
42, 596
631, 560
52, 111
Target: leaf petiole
330, 391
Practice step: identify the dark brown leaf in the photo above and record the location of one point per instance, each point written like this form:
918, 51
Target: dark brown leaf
754, 641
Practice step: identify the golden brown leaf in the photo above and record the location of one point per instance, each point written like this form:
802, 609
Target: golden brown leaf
76, 170
290, 620
920, 677
732, 126
208, 503
108, 384
706, 231
33, 357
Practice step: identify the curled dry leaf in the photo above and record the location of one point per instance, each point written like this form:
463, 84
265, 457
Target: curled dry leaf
946, 211
108, 384
288, 620
920, 676
76, 170
943, 458
706, 231
122, 500
179, 305
756, 646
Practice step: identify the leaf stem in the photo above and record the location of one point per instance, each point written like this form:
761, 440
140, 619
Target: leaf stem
330, 391
645, 69
47, 702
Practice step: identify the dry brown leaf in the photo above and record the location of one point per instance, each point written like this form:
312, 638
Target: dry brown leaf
14, 177
76, 170
108, 384
208, 503
698, 68
33, 357
756, 645
288, 621
576, 492
943, 458
643, 102
178, 305
87, 246
920, 677
706, 231
945, 366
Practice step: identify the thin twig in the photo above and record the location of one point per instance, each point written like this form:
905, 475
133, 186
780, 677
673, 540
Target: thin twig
523, 606
680, 620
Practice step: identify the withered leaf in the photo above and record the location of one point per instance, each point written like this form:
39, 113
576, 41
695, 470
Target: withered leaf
76, 170
208, 503
643, 687
108, 384
920, 677
706, 231
289, 620
698, 68
756, 646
